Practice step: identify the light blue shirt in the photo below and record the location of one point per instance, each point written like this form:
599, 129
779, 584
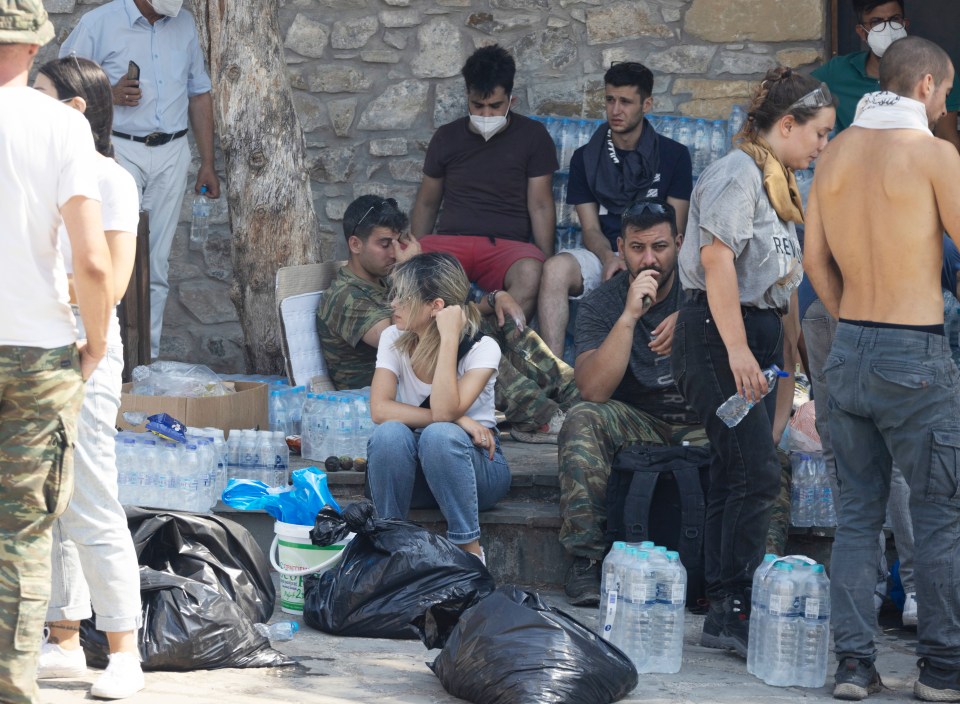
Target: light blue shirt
168, 54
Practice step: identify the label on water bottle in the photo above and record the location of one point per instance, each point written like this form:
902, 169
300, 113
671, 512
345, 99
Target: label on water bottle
611, 614
812, 608
779, 604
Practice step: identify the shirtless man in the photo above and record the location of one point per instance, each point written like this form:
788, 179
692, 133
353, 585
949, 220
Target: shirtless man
885, 190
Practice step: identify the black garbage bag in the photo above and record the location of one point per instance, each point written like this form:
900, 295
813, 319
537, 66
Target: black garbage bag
209, 549
188, 625
390, 574
511, 648
329, 528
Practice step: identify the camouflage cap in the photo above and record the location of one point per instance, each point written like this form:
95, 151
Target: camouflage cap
24, 22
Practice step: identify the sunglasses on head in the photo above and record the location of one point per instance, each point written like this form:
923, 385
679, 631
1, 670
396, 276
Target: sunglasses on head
376, 206
819, 97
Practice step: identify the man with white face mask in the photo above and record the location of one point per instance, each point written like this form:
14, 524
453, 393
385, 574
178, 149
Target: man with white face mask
851, 76
151, 113
493, 173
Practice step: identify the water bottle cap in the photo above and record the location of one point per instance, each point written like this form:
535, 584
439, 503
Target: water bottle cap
643, 554
785, 566
659, 548
769, 557
619, 545
294, 626
673, 555
191, 446
647, 544
129, 441
203, 189
816, 569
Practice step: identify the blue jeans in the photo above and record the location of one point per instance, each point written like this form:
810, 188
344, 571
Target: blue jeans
894, 398
744, 469
438, 466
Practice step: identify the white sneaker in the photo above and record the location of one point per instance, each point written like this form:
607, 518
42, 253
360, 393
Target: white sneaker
910, 610
122, 678
55, 662
545, 434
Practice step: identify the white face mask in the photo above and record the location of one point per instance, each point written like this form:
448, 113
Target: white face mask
880, 41
170, 8
489, 126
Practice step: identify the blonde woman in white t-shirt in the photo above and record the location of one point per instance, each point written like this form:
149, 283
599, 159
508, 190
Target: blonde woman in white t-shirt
93, 554
436, 444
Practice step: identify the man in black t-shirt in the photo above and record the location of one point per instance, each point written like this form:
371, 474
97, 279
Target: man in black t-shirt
493, 173
623, 340
624, 160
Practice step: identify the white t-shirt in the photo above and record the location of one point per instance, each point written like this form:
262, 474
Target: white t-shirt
119, 204
46, 158
485, 354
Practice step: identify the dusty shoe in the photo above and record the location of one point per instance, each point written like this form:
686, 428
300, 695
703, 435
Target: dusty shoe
710, 637
55, 662
856, 679
546, 434
936, 684
909, 616
583, 582
123, 677
736, 624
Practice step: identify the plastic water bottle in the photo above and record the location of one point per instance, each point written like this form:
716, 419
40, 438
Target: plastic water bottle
201, 217
803, 494
826, 508
342, 437
639, 599
281, 460
279, 631
278, 412
759, 597
126, 461
190, 463
684, 134
364, 426
667, 127
814, 629
553, 126
782, 630
611, 573
233, 453
737, 117
701, 147
735, 408
249, 457
584, 132
666, 633
718, 140
569, 137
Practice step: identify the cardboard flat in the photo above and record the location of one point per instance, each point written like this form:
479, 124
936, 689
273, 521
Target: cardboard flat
247, 408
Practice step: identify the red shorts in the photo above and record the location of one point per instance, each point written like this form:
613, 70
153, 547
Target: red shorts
485, 260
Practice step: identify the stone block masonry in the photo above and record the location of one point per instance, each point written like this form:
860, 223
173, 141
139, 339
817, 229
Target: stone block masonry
372, 79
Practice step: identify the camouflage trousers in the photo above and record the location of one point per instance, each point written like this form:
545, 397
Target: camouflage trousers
40, 396
532, 383
590, 438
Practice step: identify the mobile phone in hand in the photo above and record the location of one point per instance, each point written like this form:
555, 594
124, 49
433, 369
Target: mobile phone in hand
133, 71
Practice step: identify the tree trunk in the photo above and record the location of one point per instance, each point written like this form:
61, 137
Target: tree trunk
268, 184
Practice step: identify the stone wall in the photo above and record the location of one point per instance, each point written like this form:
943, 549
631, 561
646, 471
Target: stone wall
372, 79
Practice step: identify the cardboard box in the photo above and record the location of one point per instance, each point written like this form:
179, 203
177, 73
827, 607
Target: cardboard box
247, 408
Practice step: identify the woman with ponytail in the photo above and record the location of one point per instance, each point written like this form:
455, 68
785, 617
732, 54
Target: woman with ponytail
436, 444
739, 265
93, 556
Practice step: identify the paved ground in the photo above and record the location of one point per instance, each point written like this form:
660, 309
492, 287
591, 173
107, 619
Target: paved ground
334, 670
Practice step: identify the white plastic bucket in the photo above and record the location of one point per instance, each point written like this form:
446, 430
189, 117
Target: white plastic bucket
293, 555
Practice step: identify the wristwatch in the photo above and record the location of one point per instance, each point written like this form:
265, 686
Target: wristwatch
492, 298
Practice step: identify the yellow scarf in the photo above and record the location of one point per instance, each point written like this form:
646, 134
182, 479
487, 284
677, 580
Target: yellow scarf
778, 181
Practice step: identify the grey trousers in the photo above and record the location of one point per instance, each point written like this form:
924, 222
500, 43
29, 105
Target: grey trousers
894, 398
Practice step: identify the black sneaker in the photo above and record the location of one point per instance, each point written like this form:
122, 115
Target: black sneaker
936, 684
736, 624
856, 679
710, 637
583, 582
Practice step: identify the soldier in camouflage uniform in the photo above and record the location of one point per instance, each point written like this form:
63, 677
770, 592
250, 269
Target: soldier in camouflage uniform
533, 386
623, 370
47, 170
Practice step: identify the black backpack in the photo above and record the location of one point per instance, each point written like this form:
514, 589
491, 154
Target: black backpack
658, 493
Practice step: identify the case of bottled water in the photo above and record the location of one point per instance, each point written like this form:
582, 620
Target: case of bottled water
789, 622
336, 423
811, 493
642, 602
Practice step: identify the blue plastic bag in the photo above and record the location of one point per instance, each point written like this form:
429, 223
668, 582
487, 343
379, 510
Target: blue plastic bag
299, 504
